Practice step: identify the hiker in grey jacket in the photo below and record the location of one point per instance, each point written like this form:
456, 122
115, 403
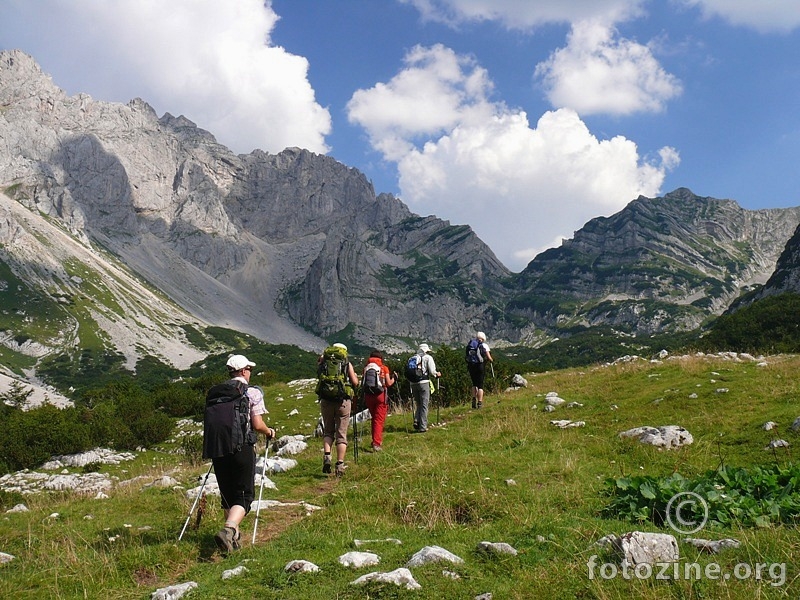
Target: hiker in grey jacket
422, 389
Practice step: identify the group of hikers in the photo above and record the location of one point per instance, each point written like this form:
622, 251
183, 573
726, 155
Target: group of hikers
234, 415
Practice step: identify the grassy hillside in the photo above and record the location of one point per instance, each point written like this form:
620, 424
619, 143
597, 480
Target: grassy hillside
450, 487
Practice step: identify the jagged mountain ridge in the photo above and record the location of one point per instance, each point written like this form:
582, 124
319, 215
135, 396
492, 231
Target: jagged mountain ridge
659, 264
295, 247
288, 247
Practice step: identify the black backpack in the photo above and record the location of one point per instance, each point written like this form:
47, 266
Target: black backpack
414, 369
372, 379
474, 352
226, 423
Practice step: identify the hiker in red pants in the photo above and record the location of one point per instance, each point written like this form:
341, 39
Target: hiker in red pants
376, 381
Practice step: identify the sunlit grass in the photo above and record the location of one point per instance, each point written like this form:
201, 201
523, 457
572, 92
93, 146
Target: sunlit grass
503, 473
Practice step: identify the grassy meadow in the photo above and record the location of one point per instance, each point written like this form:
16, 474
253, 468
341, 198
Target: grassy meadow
500, 474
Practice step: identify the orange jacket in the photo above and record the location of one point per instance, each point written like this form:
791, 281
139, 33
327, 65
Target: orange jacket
384, 370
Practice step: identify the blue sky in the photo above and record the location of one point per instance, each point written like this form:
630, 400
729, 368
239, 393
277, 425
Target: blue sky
521, 119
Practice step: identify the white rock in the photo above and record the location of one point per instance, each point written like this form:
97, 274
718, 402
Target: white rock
777, 444
211, 487
235, 572
430, 554
18, 508
565, 423
173, 592
292, 448
451, 575
668, 436
280, 464
519, 381
496, 548
301, 566
401, 577
268, 483
639, 547
359, 543
359, 559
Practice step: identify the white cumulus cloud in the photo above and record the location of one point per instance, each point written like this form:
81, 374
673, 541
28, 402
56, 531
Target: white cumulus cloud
522, 188
762, 15
599, 73
212, 60
526, 14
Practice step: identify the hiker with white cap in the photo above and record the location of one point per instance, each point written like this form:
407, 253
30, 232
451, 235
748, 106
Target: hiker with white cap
234, 458
422, 389
477, 355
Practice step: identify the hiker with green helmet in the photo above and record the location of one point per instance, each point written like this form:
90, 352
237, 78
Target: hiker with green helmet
336, 384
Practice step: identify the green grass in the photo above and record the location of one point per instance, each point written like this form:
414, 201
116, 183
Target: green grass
448, 487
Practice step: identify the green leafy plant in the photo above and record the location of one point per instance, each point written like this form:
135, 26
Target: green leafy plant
734, 496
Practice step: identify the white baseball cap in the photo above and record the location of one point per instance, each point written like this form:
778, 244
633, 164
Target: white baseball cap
237, 362
481, 336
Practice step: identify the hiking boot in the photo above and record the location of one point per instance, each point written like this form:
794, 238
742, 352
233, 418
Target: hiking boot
237, 541
474, 403
480, 404
377, 448
340, 467
227, 540
326, 464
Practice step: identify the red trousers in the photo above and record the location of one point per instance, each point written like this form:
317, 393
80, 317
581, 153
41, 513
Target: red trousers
378, 408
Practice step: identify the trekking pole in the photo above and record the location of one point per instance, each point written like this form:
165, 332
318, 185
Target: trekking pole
260, 491
438, 399
355, 438
355, 432
411, 401
196, 500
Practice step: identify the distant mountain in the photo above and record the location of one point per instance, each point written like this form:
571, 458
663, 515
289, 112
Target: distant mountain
126, 233
660, 264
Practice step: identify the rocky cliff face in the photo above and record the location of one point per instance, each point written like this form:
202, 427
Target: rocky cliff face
289, 247
786, 277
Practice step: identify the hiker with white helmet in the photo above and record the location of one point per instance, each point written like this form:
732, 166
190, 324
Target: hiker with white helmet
421, 388
477, 355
